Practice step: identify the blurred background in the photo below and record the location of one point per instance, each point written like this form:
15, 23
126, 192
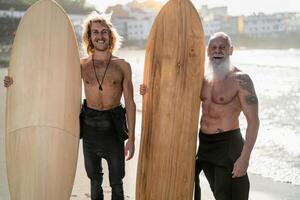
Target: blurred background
266, 37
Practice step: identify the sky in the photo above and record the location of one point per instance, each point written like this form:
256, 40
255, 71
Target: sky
235, 7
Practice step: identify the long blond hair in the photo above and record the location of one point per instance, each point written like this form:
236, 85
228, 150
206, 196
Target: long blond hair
115, 40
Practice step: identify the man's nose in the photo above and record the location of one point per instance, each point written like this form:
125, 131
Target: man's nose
216, 51
219, 50
100, 36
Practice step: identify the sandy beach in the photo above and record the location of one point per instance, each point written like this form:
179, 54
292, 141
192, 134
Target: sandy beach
261, 188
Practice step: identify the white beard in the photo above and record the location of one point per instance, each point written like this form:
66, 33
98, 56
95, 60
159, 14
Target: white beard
218, 70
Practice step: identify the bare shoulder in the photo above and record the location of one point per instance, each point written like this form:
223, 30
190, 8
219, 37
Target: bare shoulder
244, 81
241, 76
235, 72
234, 75
122, 63
83, 61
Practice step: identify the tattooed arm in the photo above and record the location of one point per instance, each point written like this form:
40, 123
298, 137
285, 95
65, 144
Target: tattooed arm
249, 103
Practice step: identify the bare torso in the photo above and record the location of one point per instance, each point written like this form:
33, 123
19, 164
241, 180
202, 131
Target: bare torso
221, 106
111, 94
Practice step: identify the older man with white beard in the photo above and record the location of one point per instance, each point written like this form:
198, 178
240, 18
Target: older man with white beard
223, 154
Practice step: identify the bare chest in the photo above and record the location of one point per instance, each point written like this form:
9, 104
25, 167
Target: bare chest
222, 92
101, 74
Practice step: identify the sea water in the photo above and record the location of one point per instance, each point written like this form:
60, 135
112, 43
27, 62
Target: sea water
276, 77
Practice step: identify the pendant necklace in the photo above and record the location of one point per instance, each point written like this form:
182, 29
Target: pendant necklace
100, 84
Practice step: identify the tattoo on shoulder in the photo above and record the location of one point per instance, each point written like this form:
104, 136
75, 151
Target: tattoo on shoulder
247, 84
251, 99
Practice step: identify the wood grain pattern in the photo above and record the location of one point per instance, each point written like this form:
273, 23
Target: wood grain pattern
174, 68
43, 105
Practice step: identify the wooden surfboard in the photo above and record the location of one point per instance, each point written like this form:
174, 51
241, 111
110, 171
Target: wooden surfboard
43, 106
173, 73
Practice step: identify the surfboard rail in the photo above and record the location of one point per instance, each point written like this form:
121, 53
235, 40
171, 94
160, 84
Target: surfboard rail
173, 73
43, 105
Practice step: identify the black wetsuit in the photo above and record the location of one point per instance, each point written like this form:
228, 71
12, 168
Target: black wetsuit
216, 156
102, 138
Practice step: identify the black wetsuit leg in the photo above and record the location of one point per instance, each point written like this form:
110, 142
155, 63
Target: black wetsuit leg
217, 154
93, 168
116, 165
240, 188
100, 140
197, 189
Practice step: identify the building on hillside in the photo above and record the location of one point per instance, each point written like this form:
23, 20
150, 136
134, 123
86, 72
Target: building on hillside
262, 25
215, 13
292, 22
136, 24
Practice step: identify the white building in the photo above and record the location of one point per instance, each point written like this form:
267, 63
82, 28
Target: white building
217, 19
292, 22
262, 25
136, 25
213, 13
212, 26
11, 13
138, 29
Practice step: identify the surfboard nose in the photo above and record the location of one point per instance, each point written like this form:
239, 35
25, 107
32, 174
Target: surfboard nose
46, 71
